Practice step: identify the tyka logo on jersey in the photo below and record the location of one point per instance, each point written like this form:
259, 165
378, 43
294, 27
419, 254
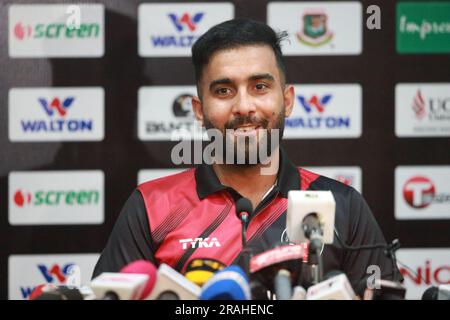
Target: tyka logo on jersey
199, 243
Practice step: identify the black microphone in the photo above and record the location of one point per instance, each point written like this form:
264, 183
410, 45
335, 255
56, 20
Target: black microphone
244, 209
60, 293
441, 292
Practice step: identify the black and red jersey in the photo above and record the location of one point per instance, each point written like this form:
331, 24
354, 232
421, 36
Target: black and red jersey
191, 215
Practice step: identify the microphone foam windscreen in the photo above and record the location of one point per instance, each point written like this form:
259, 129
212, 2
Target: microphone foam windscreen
228, 284
142, 267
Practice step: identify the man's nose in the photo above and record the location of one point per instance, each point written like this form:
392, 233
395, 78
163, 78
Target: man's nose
244, 104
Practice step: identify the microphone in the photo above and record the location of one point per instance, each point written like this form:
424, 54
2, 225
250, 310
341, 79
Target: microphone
299, 293
199, 271
52, 292
244, 209
278, 268
171, 285
441, 292
134, 282
310, 217
231, 283
335, 287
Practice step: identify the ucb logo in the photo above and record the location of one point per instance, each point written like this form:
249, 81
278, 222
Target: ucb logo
182, 106
199, 243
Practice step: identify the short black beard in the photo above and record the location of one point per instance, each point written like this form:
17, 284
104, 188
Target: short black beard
263, 124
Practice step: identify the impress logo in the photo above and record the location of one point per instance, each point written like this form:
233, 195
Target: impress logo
170, 30
56, 197
26, 272
426, 268
318, 28
49, 34
422, 110
422, 192
56, 114
423, 27
324, 112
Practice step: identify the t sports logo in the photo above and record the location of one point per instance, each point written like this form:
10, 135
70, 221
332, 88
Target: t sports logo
419, 192
422, 192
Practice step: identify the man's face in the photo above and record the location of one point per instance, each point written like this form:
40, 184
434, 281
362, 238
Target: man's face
242, 91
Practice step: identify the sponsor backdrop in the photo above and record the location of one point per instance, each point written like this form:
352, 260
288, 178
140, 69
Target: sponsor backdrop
92, 95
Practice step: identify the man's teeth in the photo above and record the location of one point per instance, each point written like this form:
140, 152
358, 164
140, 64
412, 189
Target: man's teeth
245, 129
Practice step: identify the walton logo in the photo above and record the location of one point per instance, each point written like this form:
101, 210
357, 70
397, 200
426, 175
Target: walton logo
315, 102
182, 23
312, 121
419, 192
199, 243
55, 275
57, 125
315, 31
55, 272
54, 198
187, 20
55, 30
55, 104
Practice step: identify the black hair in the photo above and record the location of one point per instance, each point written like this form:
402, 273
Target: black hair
236, 33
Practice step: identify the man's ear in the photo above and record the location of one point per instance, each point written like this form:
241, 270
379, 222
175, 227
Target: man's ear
197, 109
289, 99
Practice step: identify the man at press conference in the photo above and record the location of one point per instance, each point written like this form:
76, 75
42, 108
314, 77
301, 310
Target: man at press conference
241, 85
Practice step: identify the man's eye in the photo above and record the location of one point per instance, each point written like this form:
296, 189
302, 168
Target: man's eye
261, 86
222, 91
